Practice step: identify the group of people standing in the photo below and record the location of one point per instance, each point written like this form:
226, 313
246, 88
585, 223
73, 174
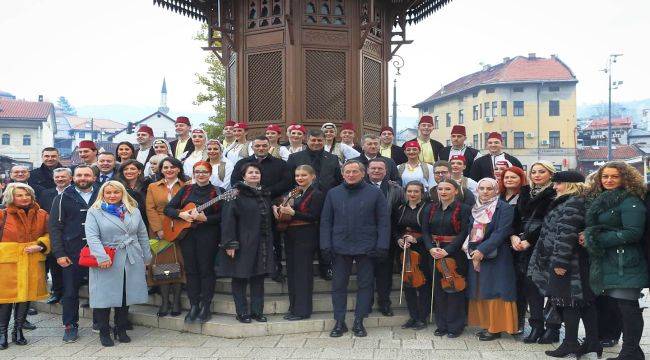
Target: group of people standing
477, 238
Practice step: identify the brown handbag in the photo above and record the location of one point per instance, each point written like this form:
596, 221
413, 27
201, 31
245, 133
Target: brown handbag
168, 271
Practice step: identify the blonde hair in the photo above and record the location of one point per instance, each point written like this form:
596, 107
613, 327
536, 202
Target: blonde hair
127, 200
8, 195
543, 163
573, 188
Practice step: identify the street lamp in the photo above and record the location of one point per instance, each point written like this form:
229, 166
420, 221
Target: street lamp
614, 85
398, 64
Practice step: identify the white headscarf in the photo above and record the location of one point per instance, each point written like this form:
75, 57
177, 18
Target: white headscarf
482, 213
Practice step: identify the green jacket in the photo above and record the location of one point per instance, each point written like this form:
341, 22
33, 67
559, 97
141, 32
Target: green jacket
615, 224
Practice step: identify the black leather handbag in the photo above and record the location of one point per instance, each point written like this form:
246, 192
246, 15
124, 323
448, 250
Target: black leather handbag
166, 271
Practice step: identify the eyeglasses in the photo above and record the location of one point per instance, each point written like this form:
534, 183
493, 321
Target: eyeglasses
441, 173
201, 172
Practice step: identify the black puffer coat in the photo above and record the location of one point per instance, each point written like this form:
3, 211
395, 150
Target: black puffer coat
246, 227
529, 216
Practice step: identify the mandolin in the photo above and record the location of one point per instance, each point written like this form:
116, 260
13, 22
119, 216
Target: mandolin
176, 229
283, 220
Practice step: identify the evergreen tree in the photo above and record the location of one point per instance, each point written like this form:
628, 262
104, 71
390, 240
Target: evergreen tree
65, 106
214, 90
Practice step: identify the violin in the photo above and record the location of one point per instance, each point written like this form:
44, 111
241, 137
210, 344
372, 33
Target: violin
451, 281
411, 273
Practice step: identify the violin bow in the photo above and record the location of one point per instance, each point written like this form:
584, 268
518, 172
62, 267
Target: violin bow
401, 285
433, 285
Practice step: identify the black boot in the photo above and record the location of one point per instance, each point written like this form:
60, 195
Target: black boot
358, 329
206, 313
105, 336
176, 299
535, 334
192, 314
632, 330
119, 333
550, 336
339, 329
564, 350
19, 319
5, 316
163, 310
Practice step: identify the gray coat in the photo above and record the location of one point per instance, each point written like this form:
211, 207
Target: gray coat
130, 239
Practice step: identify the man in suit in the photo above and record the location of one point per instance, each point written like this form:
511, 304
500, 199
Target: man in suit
429, 149
106, 164
371, 151
183, 144
328, 175
458, 147
145, 138
354, 228
42, 176
484, 166
390, 150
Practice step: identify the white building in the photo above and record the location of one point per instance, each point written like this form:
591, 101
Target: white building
26, 127
92, 129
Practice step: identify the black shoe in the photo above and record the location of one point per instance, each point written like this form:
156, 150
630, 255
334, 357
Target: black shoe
453, 335
244, 319
28, 326
17, 336
409, 324
71, 334
586, 348
205, 314
4, 339
121, 335
192, 314
550, 336
565, 349
259, 318
608, 343
53, 299
535, 334
386, 310
339, 329
419, 325
326, 274
440, 332
488, 336
105, 337
295, 317
358, 329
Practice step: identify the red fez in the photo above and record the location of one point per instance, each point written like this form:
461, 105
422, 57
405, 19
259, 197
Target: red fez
274, 127
426, 119
412, 144
347, 126
495, 135
387, 128
240, 125
146, 129
458, 130
458, 157
183, 120
297, 127
87, 144
229, 123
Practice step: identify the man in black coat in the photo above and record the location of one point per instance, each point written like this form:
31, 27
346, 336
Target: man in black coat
354, 228
182, 128
42, 176
276, 178
394, 198
68, 237
430, 149
390, 150
371, 151
458, 147
484, 166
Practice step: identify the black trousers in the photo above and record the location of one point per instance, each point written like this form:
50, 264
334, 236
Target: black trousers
384, 277
300, 244
102, 315
73, 277
257, 295
610, 325
277, 251
418, 302
632, 319
342, 267
55, 271
199, 249
451, 308
571, 317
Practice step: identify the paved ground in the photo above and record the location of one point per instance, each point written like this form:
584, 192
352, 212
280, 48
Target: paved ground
381, 343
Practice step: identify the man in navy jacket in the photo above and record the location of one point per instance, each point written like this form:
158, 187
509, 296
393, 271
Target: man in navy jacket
354, 227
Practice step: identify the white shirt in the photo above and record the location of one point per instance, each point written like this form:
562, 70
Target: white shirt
192, 159
345, 152
216, 181
232, 153
142, 155
285, 151
85, 195
416, 174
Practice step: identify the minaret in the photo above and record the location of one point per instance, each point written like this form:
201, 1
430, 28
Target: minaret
163, 98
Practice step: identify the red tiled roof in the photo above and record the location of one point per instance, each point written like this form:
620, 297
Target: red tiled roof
599, 124
519, 69
20, 109
620, 152
80, 123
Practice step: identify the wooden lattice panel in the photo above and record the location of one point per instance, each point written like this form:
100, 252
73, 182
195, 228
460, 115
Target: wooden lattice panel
265, 87
371, 91
232, 76
325, 83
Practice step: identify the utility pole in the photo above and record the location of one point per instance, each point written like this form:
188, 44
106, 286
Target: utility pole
398, 64
608, 71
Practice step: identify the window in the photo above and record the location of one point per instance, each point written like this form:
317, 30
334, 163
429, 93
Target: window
448, 120
6, 139
504, 108
489, 90
554, 139
554, 108
485, 138
475, 112
27, 140
519, 139
480, 111
82, 135
475, 94
461, 117
494, 108
518, 108
553, 88
504, 135
517, 89
436, 123
475, 141
486, 109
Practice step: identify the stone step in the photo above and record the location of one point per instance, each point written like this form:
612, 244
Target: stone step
227, 326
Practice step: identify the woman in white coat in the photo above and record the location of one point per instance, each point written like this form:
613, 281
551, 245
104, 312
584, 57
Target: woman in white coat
115, 221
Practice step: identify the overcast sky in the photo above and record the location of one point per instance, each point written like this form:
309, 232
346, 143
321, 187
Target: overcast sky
117, 52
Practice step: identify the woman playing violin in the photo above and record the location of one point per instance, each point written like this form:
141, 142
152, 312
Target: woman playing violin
409, 218
444, 222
